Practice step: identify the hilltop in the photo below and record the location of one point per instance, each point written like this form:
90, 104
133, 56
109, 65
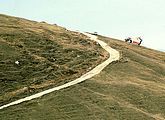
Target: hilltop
132, 88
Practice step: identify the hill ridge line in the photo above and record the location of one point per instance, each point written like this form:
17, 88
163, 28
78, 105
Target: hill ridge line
114, 56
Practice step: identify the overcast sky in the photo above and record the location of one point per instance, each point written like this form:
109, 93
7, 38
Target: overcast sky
114, 18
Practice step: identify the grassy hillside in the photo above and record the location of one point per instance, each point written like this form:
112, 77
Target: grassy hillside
49, 55
132, 88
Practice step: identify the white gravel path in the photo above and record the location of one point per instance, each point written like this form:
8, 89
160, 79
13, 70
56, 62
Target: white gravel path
114, 55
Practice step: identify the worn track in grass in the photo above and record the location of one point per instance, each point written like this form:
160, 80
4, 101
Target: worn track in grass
114, 55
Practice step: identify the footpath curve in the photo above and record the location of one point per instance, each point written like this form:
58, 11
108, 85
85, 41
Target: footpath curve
114, 55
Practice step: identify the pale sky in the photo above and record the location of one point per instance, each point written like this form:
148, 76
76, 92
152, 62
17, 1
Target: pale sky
114, 18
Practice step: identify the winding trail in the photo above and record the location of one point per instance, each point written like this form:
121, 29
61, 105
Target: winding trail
114, 55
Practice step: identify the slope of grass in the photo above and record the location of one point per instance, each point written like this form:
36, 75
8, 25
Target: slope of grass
49, 55
132, 88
